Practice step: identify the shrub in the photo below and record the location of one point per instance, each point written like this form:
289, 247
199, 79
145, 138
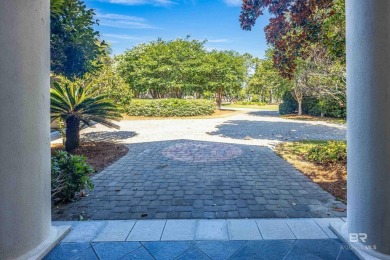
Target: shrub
255, 98
170, 107
289, 105
69, 175
333, 109
328, 153
312, 106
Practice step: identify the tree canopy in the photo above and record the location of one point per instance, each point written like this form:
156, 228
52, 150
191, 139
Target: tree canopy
74, 44
225, 73
181, 67
266, 82
294, 25
163, 68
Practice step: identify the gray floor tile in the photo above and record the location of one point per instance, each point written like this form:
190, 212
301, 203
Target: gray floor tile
243, 229
325, 222
314, 249
84, 231
193, 253
116, 230
306, 229
114, 250
264, 250
140, 253
220, 249
179, 229
164, 250
67, 251
274, 229
147, 230
212, 230
65, 223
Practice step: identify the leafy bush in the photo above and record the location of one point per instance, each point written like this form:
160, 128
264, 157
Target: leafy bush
255, 98
328, 153
170, 107
333, 109
289, 105
69, 175
312, 106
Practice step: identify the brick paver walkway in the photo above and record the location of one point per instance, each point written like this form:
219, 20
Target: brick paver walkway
212, 168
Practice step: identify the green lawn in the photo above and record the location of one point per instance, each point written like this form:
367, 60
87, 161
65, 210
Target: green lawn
265, 107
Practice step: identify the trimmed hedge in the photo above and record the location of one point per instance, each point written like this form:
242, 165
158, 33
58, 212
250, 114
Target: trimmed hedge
170, 107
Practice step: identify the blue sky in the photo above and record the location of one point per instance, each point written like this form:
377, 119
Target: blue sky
125, 23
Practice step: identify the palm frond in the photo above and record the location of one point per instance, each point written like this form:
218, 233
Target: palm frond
74, 100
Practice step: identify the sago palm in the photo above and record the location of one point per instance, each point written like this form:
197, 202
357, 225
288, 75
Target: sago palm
74, 104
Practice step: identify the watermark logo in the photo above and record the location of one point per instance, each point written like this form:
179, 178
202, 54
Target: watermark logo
357, 237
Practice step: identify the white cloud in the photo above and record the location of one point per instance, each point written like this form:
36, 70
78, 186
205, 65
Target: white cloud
233, 2
141, 2
120, 36
123, 21
120, 17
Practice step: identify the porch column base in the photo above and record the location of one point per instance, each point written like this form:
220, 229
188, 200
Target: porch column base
56, 235
361, 250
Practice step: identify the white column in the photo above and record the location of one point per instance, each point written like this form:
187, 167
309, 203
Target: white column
25, 216
368, 81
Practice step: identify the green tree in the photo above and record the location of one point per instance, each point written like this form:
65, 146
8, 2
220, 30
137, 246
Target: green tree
74, 44
334, 31
295, 25
225, 73
266, 81
164, 68
76, 105
319, 76
107, 81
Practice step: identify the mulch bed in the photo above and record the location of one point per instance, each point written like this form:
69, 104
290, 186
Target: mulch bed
332, 178
98, 154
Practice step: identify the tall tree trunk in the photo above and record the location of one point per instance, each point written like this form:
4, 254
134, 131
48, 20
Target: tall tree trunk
299, 107
219, 99
72, 133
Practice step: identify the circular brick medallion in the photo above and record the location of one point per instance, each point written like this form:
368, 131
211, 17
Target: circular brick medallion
201, 152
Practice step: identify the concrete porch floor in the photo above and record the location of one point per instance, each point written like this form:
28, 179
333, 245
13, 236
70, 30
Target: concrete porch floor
202, 239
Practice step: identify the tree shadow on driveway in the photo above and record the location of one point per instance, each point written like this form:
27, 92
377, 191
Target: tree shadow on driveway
264, 113
280, 131
106, 136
